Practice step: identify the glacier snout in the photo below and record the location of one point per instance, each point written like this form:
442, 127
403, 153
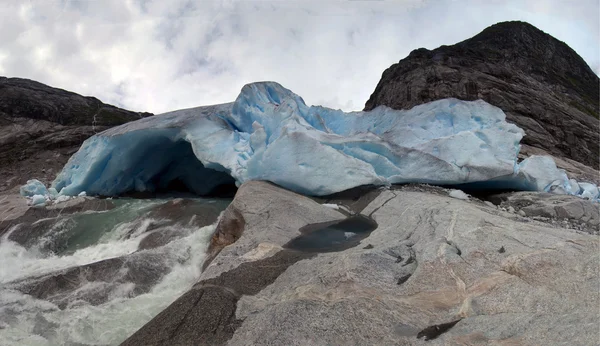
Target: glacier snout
269, 133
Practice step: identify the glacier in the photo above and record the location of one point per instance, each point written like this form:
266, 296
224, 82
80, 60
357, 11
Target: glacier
269, 133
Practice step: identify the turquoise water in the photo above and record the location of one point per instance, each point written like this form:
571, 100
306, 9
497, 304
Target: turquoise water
90, 237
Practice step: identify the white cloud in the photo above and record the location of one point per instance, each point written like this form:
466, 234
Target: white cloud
154, 55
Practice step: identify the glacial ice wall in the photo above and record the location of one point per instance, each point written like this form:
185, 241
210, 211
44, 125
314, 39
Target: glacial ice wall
269, 133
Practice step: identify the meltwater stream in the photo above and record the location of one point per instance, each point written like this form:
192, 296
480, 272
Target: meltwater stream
94, 278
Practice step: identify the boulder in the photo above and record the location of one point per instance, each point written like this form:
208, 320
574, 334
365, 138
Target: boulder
435, 261
559, 207
245, 255
265, 214
436, 271
97, 282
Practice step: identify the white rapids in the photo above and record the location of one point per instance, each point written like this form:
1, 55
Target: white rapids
25, 320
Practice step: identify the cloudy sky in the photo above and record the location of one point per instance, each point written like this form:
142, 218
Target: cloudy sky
161, 55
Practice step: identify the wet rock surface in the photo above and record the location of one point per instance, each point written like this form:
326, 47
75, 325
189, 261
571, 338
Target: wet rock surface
205, 315
56, 232
33, 222
36, 223
95, 283
183, 212
436, 271
189, 211
258, 223
541, 84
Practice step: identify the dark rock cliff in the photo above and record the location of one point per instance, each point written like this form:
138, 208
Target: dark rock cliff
41, 126
541, 84
24, 98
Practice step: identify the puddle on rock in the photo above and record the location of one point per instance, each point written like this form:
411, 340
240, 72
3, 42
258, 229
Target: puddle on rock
333, 236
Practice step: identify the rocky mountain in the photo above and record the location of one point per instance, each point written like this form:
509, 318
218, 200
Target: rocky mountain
407, 264
541, 84
41, 126
518, 268
24, 98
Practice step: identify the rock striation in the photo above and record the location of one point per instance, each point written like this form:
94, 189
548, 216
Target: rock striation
541, 84
436, 271
245, 256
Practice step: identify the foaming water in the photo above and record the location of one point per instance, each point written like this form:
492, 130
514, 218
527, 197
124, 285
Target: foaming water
20, 262
25, 320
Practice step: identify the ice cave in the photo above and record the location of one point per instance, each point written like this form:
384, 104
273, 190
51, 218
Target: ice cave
269, 133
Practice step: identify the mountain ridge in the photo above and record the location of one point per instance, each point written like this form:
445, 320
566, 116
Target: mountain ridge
541, 84
26, 98
41, 126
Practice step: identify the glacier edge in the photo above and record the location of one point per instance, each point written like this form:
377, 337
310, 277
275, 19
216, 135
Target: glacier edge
269, 133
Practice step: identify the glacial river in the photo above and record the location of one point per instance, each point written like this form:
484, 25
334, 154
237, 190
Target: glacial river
102, 312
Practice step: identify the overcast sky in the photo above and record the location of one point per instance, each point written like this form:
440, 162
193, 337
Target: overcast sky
161, 55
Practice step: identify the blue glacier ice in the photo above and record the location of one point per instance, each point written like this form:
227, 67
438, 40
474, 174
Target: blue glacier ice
32, 188
269, 133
